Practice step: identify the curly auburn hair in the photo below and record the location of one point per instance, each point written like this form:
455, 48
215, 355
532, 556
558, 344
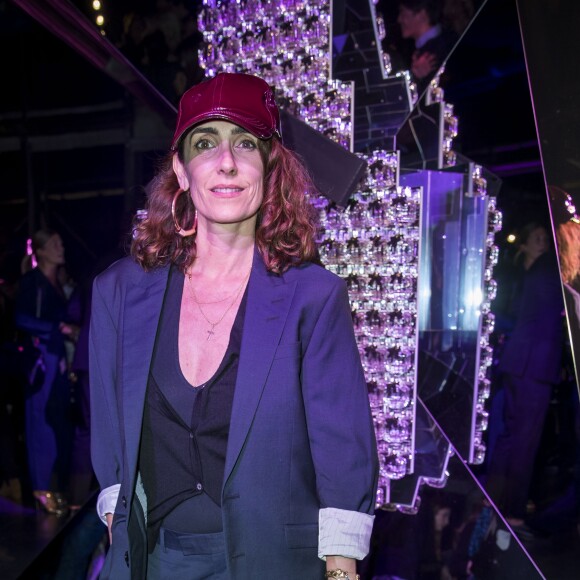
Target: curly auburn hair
568, 238
286, 225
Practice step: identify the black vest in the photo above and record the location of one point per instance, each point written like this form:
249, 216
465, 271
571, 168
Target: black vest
185, 429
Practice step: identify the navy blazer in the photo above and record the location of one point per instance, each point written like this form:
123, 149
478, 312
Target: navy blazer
534, 349
301, 435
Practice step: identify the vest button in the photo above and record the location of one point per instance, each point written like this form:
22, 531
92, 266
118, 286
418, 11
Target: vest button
127, 558
199, 487
124, 501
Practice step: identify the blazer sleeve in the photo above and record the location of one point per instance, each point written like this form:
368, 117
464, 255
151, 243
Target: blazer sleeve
30, 296
339, 421
106, 438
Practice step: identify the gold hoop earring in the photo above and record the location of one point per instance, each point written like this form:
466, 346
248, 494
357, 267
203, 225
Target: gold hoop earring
178, 228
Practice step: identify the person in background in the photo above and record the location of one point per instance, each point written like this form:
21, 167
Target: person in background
530, 363
41, 312
82, 479
457, 14
567, 224
231, 429
420, 21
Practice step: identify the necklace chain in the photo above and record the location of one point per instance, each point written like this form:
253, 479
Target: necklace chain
211, 331
209, 301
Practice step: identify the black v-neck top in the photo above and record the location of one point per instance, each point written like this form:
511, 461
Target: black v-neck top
185, 429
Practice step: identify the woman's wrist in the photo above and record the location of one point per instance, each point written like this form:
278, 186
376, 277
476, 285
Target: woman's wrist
341, 567
338, 573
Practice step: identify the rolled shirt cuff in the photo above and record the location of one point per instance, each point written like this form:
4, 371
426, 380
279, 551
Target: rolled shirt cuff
107, 501
344, 533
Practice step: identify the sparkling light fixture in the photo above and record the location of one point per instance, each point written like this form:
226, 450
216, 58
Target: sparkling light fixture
373, 243
483, 384
97, 5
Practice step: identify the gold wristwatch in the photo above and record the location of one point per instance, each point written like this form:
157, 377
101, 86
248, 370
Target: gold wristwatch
338, 573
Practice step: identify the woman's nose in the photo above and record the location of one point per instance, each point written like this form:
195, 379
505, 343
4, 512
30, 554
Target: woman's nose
227, 162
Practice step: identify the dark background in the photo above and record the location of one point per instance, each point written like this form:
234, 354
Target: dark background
86, 185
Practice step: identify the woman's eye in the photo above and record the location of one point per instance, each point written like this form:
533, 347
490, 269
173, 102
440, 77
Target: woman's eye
247, 144
203, 144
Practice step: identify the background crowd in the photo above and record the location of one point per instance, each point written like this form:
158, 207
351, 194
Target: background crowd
162, 40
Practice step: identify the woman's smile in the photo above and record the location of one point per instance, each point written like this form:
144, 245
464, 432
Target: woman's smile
227, 190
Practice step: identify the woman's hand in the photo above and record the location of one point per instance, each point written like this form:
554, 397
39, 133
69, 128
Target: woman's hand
346, 564
110, 526
71, 331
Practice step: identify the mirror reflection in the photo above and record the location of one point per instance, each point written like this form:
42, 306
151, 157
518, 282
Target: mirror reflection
452, 259
528, 370
557, 121
531, 461
455, 533
547, 37
551, 491
566, 222
420, 34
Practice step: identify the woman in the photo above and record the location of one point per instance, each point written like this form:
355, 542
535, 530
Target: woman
231, 428
567, 224
41, 312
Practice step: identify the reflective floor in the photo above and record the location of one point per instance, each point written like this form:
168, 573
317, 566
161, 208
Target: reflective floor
35, 545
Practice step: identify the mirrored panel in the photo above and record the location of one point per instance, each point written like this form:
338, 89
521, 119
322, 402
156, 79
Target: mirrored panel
382, 102
455, 532
417, 36
431, 459
368, 49
536, 392
547, 37
453, 305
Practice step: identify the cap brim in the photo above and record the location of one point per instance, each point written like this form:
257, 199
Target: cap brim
253, 126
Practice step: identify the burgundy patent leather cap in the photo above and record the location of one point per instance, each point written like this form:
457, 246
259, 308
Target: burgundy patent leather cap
246, 100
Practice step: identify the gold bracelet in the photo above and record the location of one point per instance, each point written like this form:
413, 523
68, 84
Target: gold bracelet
338, 573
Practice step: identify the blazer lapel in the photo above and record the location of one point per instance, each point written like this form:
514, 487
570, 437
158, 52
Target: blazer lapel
269, 299
142, 310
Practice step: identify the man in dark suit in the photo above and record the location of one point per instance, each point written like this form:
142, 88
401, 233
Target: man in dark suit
420, 20
531, 365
